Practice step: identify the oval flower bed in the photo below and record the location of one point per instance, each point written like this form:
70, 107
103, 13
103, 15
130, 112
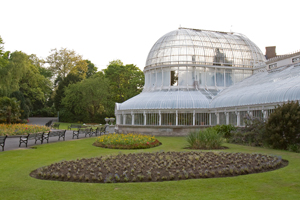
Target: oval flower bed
21, 129
126, 141
159, 166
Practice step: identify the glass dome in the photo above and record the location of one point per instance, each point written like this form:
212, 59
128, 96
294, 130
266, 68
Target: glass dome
201, 47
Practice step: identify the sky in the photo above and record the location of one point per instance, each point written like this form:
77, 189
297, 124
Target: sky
102, 31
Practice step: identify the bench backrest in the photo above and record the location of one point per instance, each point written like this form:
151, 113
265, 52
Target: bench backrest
84, 130
34, 135
2, 139
56, 133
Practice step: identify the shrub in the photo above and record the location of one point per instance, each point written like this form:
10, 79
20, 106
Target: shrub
204, 139
283, 126
225, 130
252, 134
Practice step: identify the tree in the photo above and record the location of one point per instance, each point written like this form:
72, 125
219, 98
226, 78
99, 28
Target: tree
63, 61
15, 66
125, 81
71, 78
25, 104
86, 99
91, 69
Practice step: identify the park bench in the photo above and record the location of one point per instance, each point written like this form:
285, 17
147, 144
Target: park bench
55, 126
48, 124
2, 141
85, 131
31, 136
75, 126
55, 133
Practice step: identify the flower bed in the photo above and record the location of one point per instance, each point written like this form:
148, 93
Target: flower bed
126, 141
160, 166
21, 129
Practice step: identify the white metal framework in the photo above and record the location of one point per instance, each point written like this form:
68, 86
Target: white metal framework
203, 78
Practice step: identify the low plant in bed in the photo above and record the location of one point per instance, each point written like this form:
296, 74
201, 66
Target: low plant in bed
126, 141
205, 139
159, 166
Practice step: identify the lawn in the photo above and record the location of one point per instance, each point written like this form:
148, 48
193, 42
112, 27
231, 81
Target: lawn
15, 182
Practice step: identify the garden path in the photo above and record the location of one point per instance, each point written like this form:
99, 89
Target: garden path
13, 143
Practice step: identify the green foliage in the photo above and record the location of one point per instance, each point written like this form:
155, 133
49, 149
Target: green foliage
70, 79
44, 112
204, 139
91, 69
125, 81
251, 134
10, 110
86, 100
225, 130
24, 104
283, 126
63, 61
14, 67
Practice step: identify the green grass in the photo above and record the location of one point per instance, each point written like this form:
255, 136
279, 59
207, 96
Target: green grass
15, 182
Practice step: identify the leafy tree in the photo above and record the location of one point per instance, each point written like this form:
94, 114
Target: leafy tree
71, 78
35, 87
87, 99
25, 104
15, 66
39, 63
125, 81
10, 110
63, 61
91, 69
283, 126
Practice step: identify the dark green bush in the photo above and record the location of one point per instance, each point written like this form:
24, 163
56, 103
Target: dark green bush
225, 130
252, 134
283, 126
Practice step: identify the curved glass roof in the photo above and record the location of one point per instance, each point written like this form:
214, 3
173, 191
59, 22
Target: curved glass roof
166, 100
202, 47
275, 86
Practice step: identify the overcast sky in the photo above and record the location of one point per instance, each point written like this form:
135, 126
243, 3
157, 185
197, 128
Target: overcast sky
102, 31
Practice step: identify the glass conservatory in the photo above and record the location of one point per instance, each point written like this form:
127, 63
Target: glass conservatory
196, 78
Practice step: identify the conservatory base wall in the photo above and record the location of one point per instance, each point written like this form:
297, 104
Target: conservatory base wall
159, 130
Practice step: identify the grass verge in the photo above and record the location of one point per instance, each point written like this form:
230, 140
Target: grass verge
16, 165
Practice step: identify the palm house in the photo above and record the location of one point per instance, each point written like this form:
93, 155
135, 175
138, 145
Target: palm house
198, 78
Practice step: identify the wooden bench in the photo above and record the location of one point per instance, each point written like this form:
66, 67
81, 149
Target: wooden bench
74, 126
32, 136
85, 131
55, 133
2, 141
